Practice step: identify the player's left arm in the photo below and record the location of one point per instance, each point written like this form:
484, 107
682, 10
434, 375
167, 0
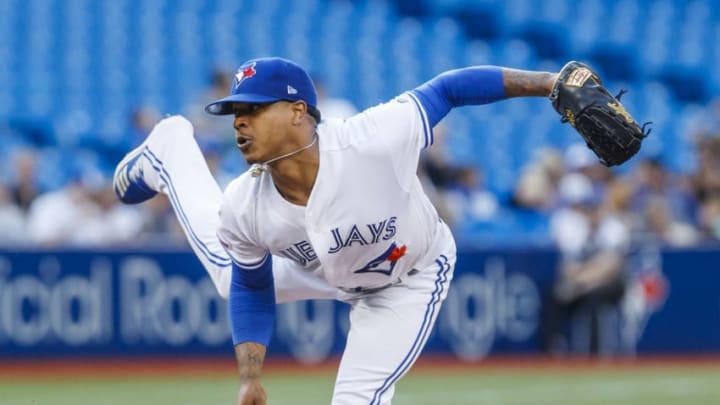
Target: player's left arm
479, 85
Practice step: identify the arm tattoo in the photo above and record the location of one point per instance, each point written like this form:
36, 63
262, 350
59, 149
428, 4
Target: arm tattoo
254, 360
250, 358
519, 83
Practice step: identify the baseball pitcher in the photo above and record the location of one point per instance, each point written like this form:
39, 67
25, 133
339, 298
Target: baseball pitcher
334, 209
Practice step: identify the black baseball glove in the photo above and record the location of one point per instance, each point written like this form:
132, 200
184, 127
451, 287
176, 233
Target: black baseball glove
608, 129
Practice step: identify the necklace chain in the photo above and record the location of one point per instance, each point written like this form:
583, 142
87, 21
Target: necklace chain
262, 167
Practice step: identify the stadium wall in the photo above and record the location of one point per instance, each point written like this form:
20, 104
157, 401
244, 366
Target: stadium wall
76, 303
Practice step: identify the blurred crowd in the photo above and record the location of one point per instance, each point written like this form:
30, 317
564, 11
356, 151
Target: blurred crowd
557, 190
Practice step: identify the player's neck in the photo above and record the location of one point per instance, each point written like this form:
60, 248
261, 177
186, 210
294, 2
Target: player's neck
295, 177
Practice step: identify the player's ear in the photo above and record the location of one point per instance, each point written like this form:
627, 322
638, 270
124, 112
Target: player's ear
299, 112
297, 109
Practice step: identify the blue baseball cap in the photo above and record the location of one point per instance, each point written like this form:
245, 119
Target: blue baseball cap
266, 80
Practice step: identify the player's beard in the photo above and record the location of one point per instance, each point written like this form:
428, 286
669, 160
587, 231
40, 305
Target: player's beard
264, 163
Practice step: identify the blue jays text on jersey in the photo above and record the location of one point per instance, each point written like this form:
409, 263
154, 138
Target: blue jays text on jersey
302, 252
384, 229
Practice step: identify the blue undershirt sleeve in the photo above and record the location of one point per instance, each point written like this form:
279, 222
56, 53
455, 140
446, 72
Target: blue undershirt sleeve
468, 86
252, 304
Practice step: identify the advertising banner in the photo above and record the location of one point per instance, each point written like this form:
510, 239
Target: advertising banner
85, 303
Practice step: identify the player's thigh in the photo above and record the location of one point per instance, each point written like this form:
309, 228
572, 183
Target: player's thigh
388, 330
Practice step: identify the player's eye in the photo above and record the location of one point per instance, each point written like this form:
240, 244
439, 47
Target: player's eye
244, 109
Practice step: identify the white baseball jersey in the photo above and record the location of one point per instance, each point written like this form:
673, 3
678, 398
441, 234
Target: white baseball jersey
367, 222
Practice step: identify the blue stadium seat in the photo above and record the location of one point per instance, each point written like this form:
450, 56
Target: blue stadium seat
83, 64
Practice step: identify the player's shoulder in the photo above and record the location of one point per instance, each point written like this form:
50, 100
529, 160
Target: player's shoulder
333, 133
405, 100
368, 121
339, 134
391, 112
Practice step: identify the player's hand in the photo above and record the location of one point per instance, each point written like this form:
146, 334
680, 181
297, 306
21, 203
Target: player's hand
251, 392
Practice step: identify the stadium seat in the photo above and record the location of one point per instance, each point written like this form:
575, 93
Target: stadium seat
79, 66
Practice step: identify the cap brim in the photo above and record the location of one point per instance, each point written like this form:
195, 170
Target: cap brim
224, 105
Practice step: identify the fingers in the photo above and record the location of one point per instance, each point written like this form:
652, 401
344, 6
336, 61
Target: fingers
252, 393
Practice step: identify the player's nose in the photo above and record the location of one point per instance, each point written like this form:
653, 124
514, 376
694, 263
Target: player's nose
240, 122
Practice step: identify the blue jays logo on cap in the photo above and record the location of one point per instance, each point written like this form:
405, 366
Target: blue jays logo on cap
244, 73
267, 80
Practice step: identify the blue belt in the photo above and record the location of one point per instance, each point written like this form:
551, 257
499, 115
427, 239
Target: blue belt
366, 290
370, 290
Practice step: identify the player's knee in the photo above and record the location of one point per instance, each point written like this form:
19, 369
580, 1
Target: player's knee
223, 292
222, 285
177, 125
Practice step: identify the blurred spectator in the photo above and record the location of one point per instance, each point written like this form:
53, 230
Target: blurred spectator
215, 134
579, 158
435, 163
332, 106
710, 217
467, 199
707, 122
24, 188
209, 128
159, 224
706, 180
458, 191
437, 174
537, 187
618, 203
109, 222
54, 217
216, 157
667, 207
590, 281
660, 224
12, 219
705, 184
83, 213
142, 121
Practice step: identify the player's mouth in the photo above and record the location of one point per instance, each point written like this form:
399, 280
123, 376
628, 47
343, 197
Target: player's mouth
243, 143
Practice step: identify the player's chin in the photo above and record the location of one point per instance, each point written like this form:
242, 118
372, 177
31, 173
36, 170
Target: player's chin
250, 159
248, 154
